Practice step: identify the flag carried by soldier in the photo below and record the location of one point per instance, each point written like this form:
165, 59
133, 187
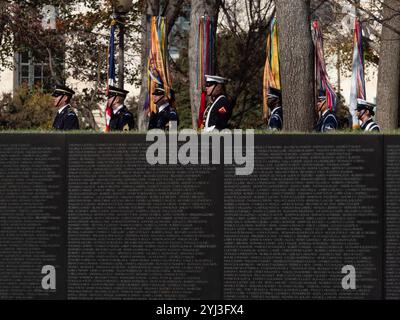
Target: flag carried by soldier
321, 76
358, 76
158, 68
272, 76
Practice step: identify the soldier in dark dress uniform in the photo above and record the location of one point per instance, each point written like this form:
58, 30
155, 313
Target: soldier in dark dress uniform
219, 111
66, 118
275, 122
166, 117
121, 118
327, 120
365, 112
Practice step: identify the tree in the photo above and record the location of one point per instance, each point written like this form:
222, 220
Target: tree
198, 9
296, 58
26, 109
389, 67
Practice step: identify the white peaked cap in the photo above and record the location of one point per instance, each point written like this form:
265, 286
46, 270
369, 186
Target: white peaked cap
361, 102
216, 79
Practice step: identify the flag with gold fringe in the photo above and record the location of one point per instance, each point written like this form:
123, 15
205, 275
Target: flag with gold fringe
272, 77
158, 68
358, 90
321, 75
205, 62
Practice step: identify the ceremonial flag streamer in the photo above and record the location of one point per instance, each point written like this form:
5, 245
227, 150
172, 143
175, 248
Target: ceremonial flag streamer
321, 75
110, 70
358, 77
272, 77
158, 67
205, 61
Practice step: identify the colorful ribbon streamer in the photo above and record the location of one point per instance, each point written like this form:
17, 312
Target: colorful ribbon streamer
321, 75
358, 90
158, 68
272, 77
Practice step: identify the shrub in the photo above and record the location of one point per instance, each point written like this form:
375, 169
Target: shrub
26, 109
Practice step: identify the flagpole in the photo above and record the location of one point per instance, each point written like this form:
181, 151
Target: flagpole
121, 9
121, 52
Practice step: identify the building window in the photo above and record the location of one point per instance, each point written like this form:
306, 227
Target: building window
34, 73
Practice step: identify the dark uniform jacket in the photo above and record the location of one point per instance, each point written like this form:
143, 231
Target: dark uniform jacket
370, 125
163, 117
327, 122
217, 115
66, 120
122, 120
276, 119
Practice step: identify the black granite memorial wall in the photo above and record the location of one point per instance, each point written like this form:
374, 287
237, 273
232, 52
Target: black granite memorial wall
115, 227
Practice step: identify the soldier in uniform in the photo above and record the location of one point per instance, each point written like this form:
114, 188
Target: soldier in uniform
219, 111
166, 117
275, 122
121, 118
327, 120
66, 118
365, 112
